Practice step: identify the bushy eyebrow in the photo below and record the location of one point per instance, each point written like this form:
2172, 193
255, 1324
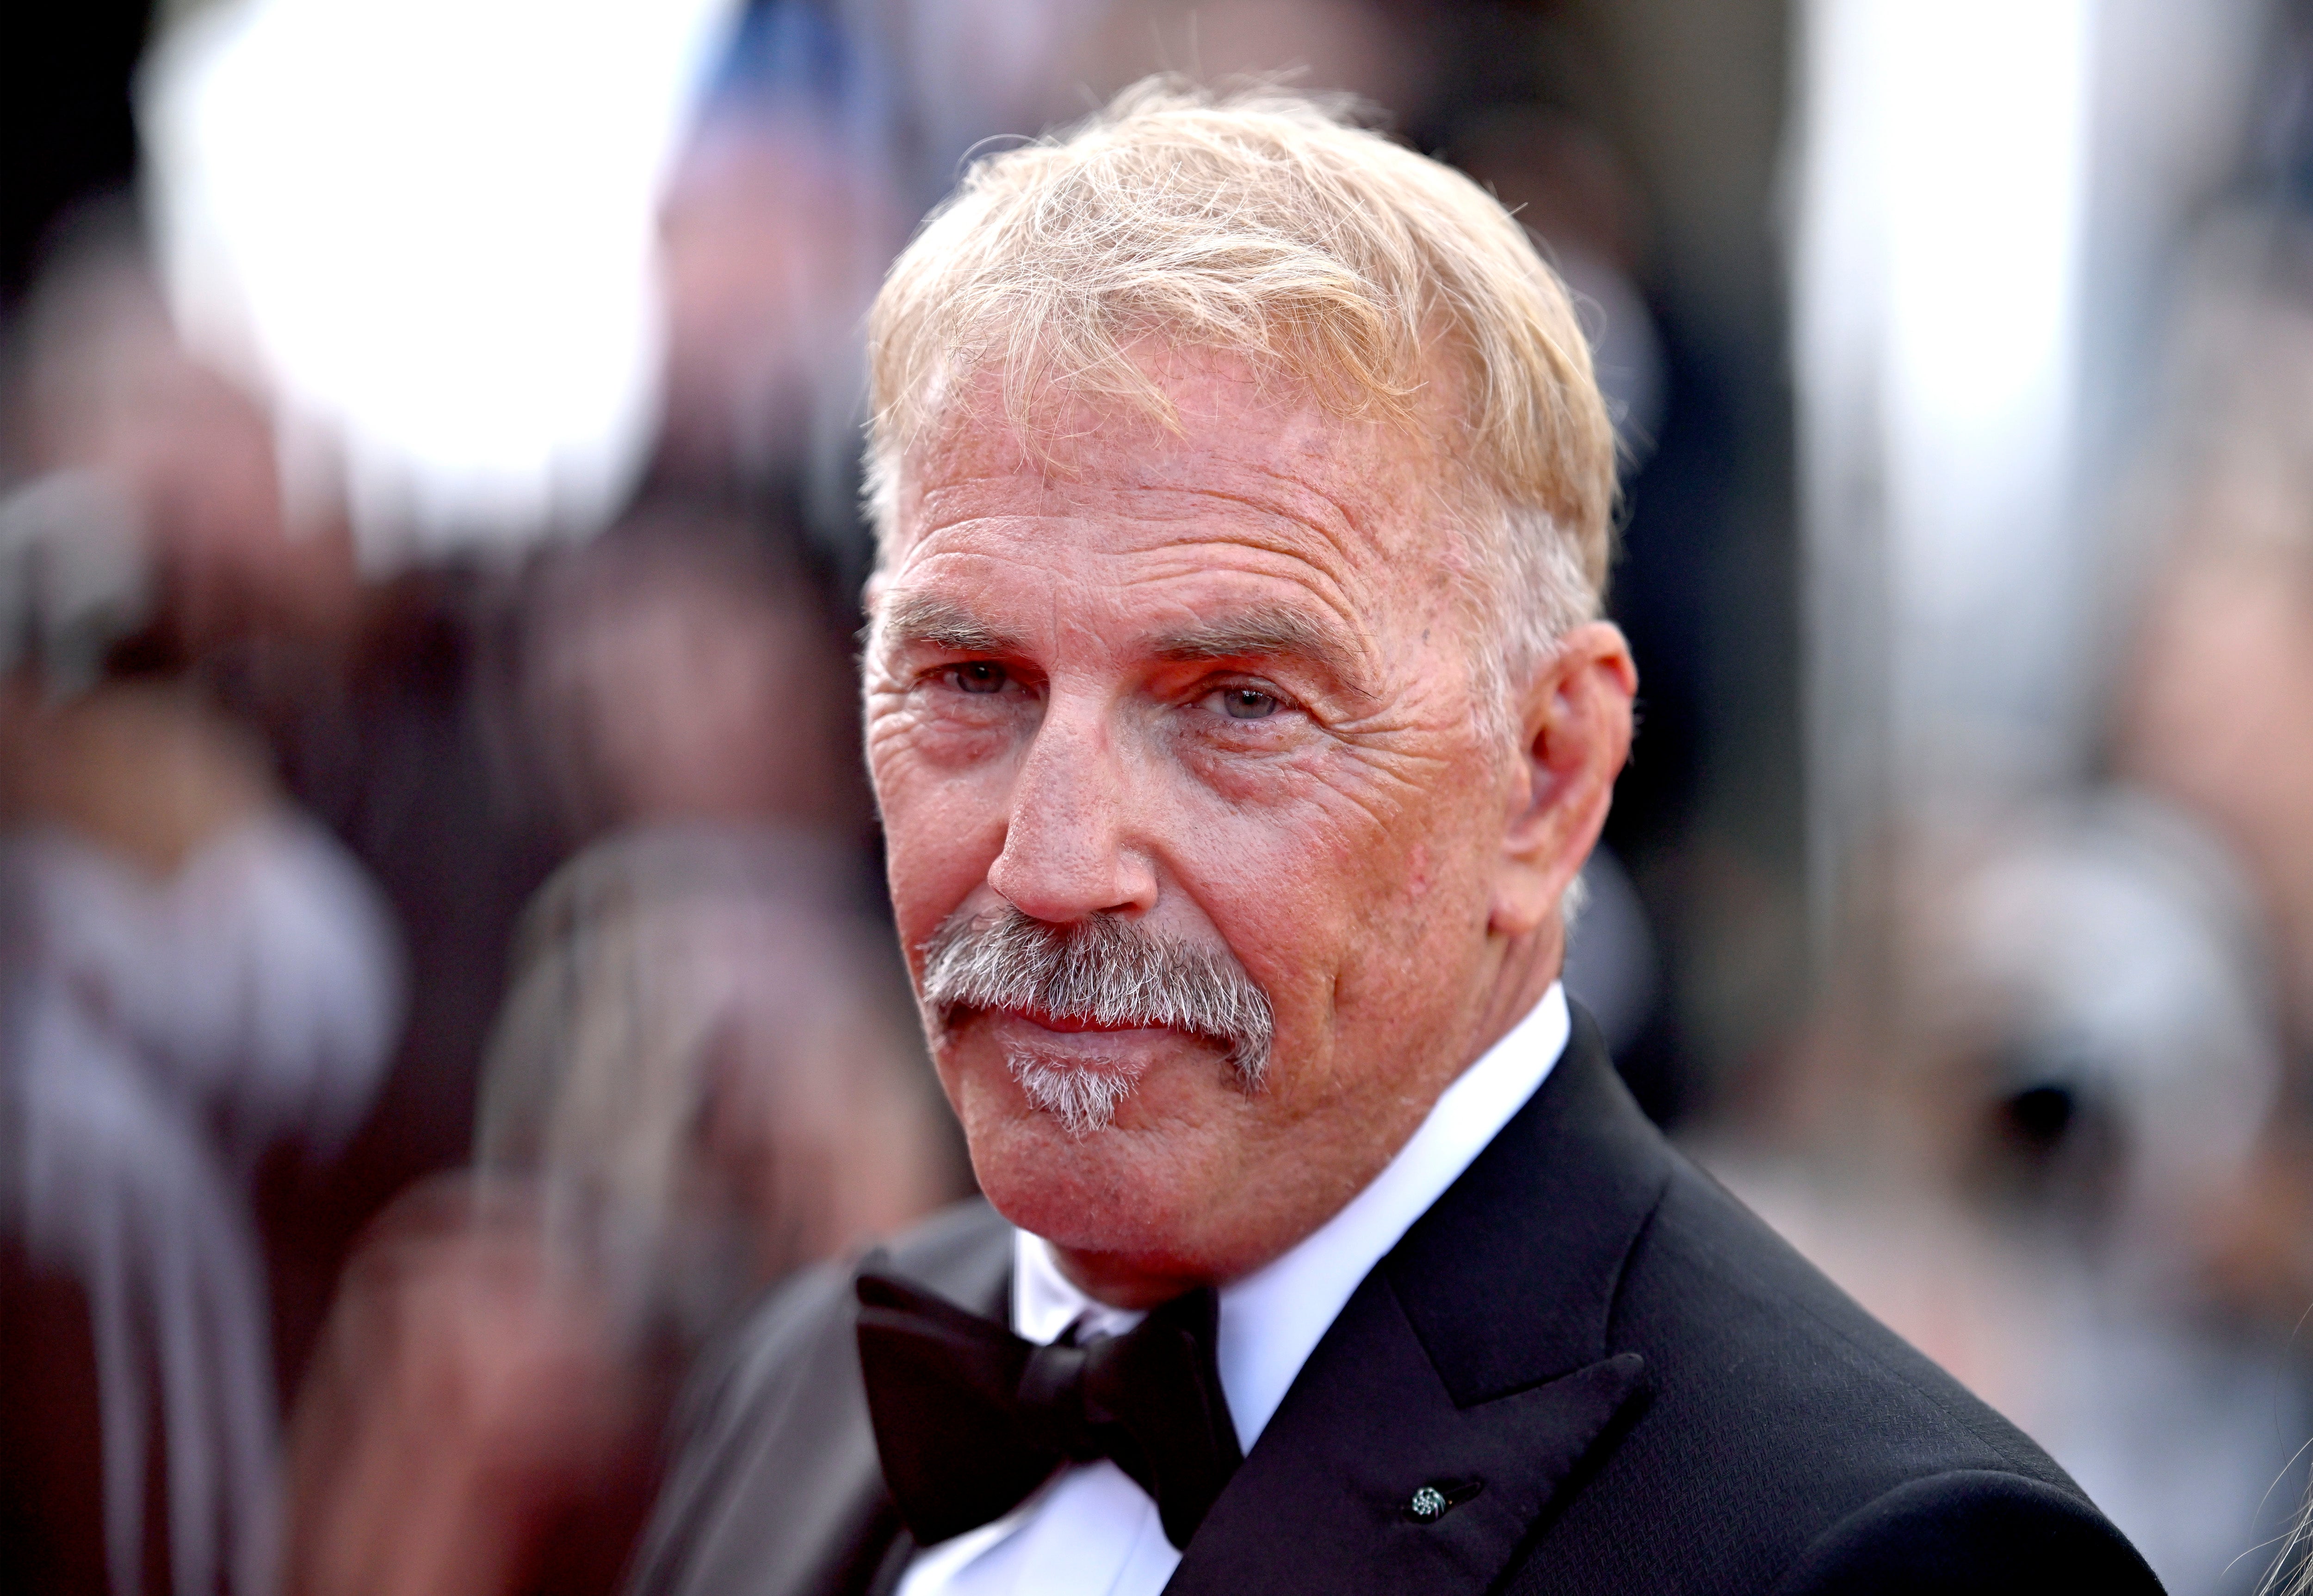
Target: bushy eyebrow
1268, 631
925, 621
1265, 632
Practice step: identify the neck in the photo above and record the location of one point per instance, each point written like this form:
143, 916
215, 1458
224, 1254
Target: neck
1530, 963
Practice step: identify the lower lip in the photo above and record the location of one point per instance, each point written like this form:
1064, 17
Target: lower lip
1092, 1045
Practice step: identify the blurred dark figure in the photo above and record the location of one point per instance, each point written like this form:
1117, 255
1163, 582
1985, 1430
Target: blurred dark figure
774, 230
379, 706
705, 1075
199, 988
683, 669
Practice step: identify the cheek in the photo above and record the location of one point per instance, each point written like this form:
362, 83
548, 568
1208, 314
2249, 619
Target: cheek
1304, 864
943, 826
1349, 892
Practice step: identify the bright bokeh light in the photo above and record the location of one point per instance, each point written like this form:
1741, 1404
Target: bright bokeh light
1937, 318
425, 229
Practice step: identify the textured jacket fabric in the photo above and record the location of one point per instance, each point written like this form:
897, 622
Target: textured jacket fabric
1619, 1377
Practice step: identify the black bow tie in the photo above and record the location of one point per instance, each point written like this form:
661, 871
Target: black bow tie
970, 1419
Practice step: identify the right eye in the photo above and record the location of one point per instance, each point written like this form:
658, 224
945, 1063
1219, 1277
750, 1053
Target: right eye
978, 676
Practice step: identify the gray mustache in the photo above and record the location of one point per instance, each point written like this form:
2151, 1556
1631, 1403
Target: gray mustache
1104, 969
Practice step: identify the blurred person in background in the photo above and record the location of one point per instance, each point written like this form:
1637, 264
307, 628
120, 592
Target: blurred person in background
704, 1077
199, 990
2213, 701
2018, 1144
787, 198
376, 702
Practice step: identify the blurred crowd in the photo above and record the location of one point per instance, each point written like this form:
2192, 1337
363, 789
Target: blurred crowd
437, 993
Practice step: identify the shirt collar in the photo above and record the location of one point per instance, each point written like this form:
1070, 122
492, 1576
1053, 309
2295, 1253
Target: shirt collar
1272, 1319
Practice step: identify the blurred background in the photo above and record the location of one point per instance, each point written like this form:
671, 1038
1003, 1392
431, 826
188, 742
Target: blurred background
443, 967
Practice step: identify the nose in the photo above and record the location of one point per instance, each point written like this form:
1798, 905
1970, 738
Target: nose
1069, 848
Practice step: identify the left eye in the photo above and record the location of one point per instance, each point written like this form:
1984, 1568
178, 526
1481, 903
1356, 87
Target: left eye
1248, 704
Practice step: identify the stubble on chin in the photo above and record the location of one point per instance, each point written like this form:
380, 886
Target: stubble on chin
1083, 1099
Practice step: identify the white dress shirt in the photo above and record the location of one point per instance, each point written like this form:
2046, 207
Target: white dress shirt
1090, 1530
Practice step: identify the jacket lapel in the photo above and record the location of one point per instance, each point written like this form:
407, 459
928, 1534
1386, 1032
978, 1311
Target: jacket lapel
1469, 1373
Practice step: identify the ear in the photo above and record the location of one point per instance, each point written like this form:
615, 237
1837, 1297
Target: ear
1575, 736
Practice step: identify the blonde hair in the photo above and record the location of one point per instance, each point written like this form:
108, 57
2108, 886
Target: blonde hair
1263, 224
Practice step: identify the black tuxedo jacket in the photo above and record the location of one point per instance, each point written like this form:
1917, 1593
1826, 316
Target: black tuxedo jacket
1648, 1390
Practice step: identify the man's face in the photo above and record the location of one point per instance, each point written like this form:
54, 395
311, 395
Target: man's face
1214, 685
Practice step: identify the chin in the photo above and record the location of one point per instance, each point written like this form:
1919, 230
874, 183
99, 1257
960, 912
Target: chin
1129, 1188
1103, 1193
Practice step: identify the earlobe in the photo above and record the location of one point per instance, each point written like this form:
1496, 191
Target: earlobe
1575, 730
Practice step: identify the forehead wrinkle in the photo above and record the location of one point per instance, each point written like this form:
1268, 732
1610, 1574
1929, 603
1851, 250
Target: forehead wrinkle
931, 489
1329, 590
1181, 541
1300, 498
971, 460
1261, 521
